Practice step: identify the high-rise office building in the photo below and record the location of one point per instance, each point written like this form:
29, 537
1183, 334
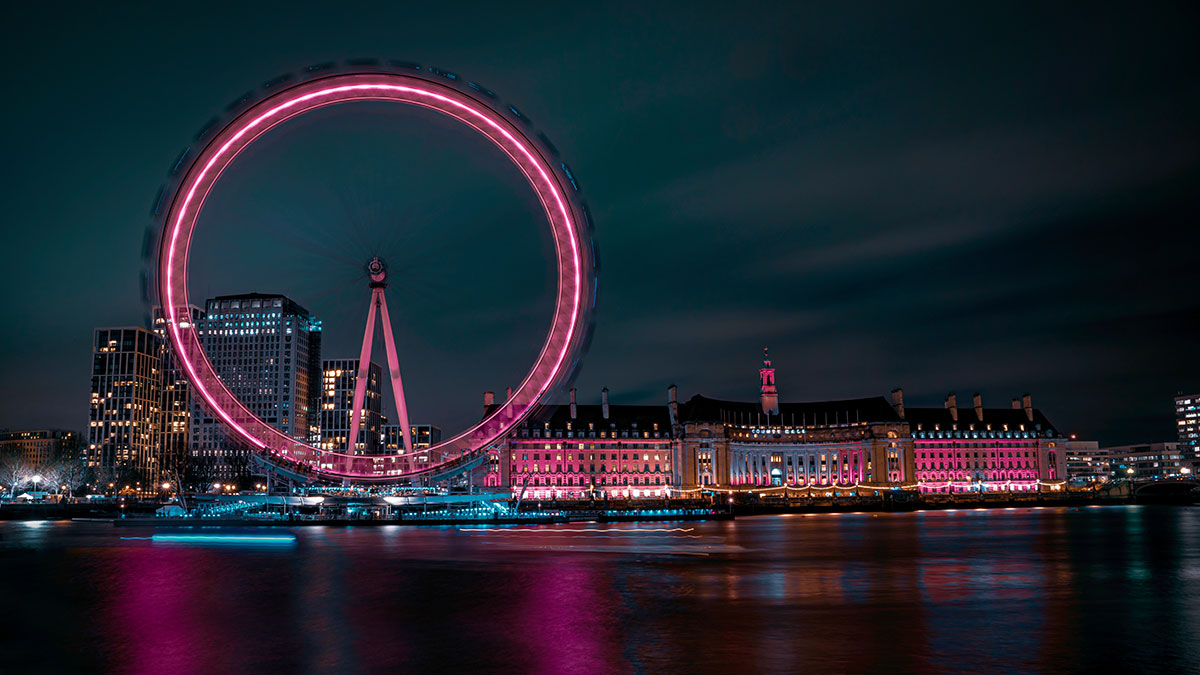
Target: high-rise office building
176, 426
267, 350
126, 409
1187, 427
338, 380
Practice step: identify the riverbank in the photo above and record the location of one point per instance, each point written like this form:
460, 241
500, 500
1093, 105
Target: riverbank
616, 511
415, 519
927, 503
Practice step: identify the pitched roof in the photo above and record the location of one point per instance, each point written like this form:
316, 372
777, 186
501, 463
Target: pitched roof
927, 418
809, 413
622, 416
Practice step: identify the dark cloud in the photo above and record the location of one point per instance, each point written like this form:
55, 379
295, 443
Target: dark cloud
980, 197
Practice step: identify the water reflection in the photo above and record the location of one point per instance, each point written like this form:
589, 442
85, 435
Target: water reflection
1018, 590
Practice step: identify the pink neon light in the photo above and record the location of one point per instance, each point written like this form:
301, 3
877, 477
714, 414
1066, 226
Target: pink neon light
416, 92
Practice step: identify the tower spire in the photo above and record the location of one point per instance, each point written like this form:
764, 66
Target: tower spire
768, 395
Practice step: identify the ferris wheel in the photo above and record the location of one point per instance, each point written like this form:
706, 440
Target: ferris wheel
480, 110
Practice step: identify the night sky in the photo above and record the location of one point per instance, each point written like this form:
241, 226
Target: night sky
944, 197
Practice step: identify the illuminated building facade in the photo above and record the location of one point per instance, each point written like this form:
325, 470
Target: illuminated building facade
588, 451
984, 449
1187, 426
267, 351
817, 444
175, 428
853, 443
125, 409
40, 447
423, 436
338, 379
577, 451
1087, 462
1150, 461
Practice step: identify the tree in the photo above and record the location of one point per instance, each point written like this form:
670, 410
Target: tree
49, 477
106, 478
72, 474
15, 472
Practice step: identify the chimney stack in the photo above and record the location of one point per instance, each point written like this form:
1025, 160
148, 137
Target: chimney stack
673, 404
508, 394
978, 400
952, 405
604, 403
489, 399
1016, 404
574, 408
1027, 404
898, 402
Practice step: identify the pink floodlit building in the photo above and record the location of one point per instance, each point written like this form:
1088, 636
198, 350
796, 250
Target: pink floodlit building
576, 451
850, 446
979, 449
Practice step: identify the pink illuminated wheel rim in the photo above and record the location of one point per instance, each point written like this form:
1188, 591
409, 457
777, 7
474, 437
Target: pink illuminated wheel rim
551, 181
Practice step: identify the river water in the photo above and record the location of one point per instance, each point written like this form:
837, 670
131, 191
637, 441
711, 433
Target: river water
1008, 590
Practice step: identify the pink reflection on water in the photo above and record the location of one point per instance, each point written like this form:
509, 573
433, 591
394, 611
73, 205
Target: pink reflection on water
566, 621
153, 611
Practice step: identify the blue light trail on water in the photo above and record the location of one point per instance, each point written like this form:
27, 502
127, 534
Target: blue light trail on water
226, 539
